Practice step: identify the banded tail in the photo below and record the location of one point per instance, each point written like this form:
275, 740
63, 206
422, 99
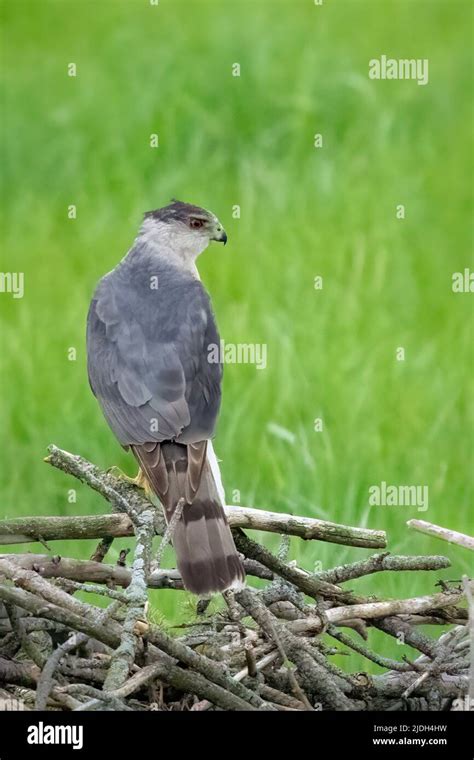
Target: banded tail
206, 555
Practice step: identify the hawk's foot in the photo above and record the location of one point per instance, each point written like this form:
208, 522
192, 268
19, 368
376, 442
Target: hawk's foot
139, 481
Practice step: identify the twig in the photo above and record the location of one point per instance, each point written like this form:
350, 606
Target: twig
100, 552
371, 610
405, 634
170, 528
307, 528
20, 530
452, 536
304, 581
20, 673
380, 562
384, 662
136, 593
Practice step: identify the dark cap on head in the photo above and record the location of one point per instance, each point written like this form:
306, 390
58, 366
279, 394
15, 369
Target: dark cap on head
177, 210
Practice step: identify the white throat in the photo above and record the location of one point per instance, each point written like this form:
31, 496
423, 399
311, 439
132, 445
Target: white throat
177, 244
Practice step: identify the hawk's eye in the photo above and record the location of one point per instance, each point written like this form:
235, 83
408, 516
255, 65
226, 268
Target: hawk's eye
196, 223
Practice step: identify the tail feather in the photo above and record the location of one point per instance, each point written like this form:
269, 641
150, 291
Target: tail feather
205, 550
206, 555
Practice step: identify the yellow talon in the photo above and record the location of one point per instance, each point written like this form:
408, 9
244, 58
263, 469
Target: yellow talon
139, 481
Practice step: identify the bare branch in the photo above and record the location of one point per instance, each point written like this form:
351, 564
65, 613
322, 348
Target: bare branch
445, 534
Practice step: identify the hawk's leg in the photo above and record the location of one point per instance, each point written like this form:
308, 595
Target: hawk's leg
139, 481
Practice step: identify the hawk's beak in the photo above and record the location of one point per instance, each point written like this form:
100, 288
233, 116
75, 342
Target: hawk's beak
220, 236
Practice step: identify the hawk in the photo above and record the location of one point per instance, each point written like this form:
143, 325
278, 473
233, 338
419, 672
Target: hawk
149, 329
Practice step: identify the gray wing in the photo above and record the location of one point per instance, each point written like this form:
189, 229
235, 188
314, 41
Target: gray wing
148, 357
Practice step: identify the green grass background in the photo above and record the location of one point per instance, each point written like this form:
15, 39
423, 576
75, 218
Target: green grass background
167, 69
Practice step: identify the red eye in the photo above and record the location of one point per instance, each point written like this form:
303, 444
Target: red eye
196, 223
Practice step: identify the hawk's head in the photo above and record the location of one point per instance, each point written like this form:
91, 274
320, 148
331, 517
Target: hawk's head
182, 228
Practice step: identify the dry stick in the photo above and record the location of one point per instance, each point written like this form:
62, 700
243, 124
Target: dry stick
452, 536
267, 660
342, 679
100, 552
72, 569
122, 495
440, 617
84, 571
250, 659
454, 640
304, 527
280, 698
18, 673
304, 581
99, 698
10, 699
33, 624
22, 530
405, 634
170, 528
92, 674
140, 679
45, 682
137, 597
27, 529
393, 685
90, 588
384, 662
382, 609
379, 562
371, 610
433, 670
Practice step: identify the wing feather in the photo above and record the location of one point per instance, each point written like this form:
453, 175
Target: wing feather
147, 356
